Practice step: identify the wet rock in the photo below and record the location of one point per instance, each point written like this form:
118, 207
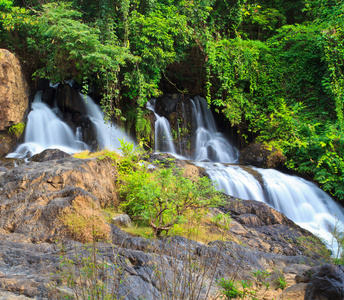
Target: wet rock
11, 163
268, 230
327, 283
260, 156
49, 154
69, 99
265, 213
167, 104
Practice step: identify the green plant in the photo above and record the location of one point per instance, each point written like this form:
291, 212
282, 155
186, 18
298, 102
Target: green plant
261, 276
234, 290
130, 156
221, 220
17, 130
281, 283
89, 275
229, 289
162, 197
337, 242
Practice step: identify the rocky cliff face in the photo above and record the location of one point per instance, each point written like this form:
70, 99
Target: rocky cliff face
14, 99
35, 246
13, 90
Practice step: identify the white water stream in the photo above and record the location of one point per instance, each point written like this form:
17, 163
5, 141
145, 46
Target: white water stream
108, 134
45, 130
300, 200
163, 137
211, 145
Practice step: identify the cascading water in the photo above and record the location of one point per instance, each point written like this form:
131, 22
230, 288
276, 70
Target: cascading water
300, 200
211, 145
234, 181
163, 137
44, 130
108, 134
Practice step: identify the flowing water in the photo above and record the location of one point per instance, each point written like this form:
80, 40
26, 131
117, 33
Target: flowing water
45, 130
300, 200
163, 137
108, 134
211, 145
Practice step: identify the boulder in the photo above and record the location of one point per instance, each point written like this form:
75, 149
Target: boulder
49, 154
122, 220
261, 156
326, 284
14, 90
268, 230
7, 142
33, 197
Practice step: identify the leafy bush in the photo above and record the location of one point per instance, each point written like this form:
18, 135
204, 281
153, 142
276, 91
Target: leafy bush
161, 198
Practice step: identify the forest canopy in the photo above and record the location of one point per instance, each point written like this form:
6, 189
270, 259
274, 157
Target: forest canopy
273, 68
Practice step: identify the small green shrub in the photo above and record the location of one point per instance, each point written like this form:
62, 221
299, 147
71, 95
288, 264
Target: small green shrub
281, 283
89, 275
163, 197
229, 289
222, 221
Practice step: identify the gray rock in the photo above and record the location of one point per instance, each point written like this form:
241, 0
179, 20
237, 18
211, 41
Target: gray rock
326, 284
49, 154
122, 220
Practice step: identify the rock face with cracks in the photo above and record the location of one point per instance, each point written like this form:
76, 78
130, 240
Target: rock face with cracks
14, 90
34, 242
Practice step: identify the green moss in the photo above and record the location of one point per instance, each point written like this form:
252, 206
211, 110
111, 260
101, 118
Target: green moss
16, 130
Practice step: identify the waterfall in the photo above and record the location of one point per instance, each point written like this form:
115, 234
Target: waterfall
300, 200
211, 145
234, 181
163, 137
303, 202
45, 130
108, 134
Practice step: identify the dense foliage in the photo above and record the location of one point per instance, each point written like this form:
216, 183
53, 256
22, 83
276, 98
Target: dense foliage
162, 197
274, 69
